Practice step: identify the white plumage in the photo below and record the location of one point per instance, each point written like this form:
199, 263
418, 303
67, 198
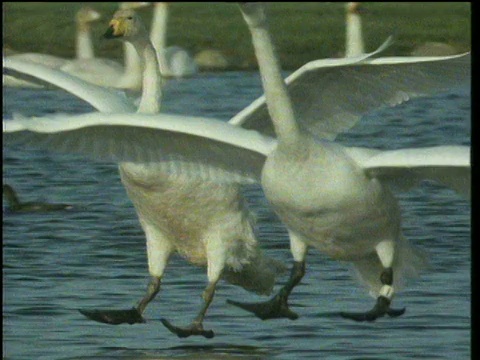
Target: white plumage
107, 72
354, 45
329, 196
207, 223
84, 48
327, 199
174, 61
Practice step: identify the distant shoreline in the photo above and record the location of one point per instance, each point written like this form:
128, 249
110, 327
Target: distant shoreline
302, 31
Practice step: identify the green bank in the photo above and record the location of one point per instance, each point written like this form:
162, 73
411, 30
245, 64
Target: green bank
302, 31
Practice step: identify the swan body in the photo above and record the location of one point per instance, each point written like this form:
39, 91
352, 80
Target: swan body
348, 186
15, 205
211, 59
103, 72
432, 48
84, 48
174, 60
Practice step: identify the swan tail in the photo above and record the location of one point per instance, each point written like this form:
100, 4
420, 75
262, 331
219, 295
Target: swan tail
409, 261
257, 276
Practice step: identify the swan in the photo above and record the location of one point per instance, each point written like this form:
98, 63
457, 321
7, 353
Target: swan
354, 45
211, 150
209, 224
211, 60
15, 205
434, 48
103, 72
84, 49
325, 198
174, 61
106, 72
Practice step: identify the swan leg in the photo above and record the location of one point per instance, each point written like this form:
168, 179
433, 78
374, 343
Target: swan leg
196, 327
385, 251
158, 254
277, 306
215, 265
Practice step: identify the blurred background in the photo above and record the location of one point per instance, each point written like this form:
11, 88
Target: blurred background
303, 31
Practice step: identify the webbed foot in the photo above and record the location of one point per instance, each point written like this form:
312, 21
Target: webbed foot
114, 317
275, 308
381, 308
193, 329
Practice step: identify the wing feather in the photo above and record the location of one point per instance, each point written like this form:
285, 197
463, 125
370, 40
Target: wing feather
405, 168
329, 96
204, 148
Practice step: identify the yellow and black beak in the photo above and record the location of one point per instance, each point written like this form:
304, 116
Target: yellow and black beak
114, 30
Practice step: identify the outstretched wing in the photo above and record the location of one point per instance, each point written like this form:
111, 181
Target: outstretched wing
329, 96
202, 148
447, 165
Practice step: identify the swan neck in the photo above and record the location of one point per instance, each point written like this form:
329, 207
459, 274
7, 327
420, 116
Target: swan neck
278, 101
354, 39
158, 33
151, 80
84, 45
132, 59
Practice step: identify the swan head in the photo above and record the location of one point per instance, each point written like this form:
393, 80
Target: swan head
355, 8
87, 15
253, 13
133, 5
126, 25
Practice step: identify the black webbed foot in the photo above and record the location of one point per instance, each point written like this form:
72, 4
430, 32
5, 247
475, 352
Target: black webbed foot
194, 329
381, 308
276, 307
114, 317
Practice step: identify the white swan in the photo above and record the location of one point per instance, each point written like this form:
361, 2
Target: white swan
212, 150
209, 224
83, 44
101, 71
86, 66
84, 49
174, 61
354, 45
327, 200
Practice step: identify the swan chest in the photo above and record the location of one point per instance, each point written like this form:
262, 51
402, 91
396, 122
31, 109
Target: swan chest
329, 202
321, 177
188, 214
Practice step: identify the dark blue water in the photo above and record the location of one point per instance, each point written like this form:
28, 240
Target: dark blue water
94, 255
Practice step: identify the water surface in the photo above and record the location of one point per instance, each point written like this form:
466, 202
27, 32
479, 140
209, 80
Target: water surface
94, 256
